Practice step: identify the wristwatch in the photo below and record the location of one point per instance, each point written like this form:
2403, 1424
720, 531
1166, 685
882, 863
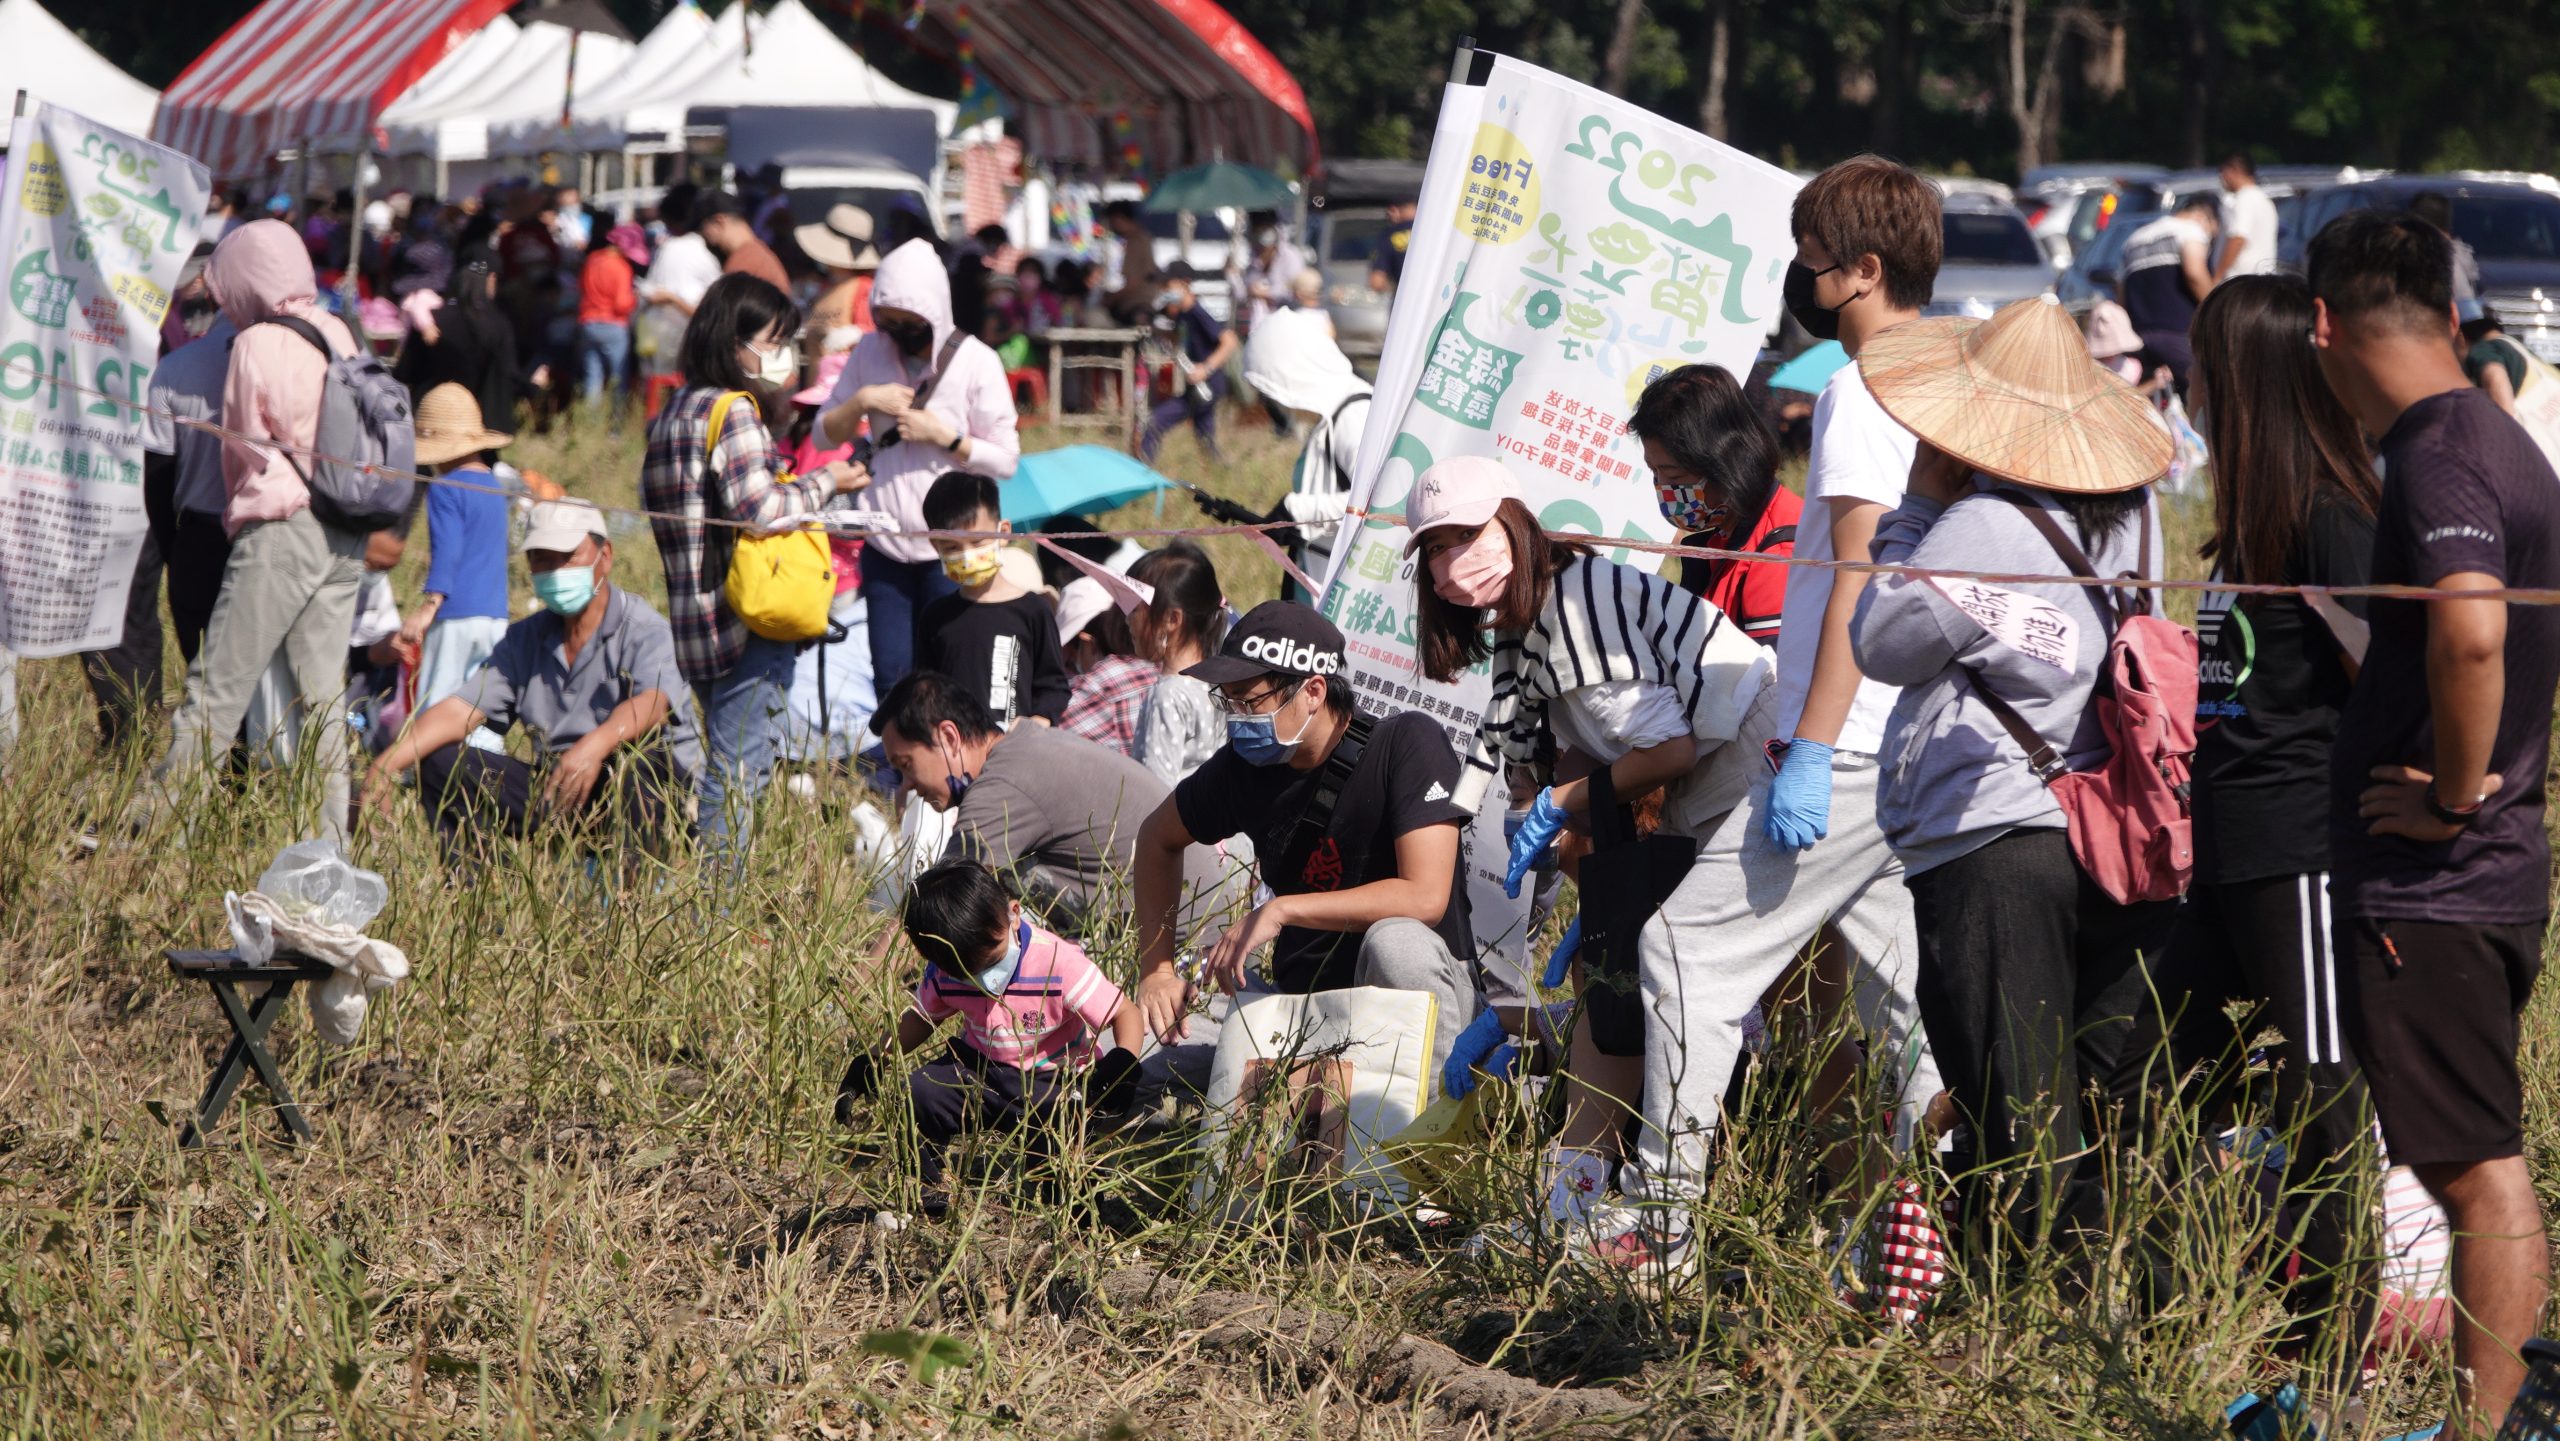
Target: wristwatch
954, 446
2449, 814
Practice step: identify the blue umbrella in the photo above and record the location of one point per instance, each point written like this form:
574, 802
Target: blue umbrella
1086, 478
1810, 371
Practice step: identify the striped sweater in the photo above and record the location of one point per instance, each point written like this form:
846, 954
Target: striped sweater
1608, 622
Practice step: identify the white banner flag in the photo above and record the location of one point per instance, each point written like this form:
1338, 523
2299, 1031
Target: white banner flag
1568, 248
98, 224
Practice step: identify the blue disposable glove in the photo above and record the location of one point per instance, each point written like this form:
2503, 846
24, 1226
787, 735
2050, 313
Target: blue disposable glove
1537, 832
1483, 1043
1564, 954
1800, 797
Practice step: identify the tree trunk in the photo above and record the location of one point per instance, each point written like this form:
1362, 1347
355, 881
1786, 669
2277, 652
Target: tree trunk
1894, 78
2197, 100
1711, 116
1622, 48
2036, 106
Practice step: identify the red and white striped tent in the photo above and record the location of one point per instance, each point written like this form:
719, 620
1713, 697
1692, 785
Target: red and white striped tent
1192, 84
313, 74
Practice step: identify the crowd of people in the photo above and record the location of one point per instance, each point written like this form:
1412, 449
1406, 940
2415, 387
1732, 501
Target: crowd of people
1903, 797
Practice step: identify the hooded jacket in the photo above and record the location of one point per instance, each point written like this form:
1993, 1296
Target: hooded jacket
272, 391
1291, 357
972, 394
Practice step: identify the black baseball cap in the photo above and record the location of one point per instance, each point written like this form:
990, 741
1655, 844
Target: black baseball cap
1277, 637
1181, 270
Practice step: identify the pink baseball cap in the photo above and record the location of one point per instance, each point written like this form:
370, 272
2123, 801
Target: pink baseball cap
1462, 490
830, 368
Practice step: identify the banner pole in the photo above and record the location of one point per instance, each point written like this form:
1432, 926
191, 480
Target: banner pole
355, 243
1464, 61
21, 111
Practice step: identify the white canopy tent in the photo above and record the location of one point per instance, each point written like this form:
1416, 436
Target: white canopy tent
786, 56
460, 68
528, 80
40, 55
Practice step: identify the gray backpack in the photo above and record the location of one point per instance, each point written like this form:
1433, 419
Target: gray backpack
367, 441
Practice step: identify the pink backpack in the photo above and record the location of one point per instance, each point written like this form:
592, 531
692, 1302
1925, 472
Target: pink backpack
2131, 820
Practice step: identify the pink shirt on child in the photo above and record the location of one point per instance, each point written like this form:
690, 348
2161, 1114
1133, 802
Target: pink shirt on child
1058, 1002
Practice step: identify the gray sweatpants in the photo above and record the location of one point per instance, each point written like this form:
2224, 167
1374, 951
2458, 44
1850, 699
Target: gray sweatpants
291, 584
1743, 912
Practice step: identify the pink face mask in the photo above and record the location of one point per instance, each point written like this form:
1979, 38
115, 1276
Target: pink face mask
1474, 574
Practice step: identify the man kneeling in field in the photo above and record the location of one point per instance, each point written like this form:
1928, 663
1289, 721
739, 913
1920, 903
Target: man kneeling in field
592, 675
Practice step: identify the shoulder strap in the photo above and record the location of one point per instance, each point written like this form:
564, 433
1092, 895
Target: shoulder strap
941, 363
1332, 440
720, 418
1330, 781
2042, 758
306, 330
2077, 560
1778, 535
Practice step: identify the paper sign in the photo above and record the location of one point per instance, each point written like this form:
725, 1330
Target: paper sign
2036, 629
97, 226
1568, 248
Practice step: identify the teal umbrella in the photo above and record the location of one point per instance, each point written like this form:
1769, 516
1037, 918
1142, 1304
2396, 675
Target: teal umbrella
1810, 371
1086, 478
1221, 185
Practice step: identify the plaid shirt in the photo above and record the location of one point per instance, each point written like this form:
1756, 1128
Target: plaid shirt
1104, 702
753, 486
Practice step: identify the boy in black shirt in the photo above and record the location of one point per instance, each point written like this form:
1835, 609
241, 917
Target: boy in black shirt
2443, 870
1365, 892
995, 638
1199, 370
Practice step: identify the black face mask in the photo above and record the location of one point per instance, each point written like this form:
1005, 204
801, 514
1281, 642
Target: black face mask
1797, 292
910, 337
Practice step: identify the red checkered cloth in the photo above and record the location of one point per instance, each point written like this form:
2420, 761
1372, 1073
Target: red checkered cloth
1911, 1261
1103, 704
986, 173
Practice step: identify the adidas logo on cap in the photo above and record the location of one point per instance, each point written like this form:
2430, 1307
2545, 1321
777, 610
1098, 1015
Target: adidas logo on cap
1281, 653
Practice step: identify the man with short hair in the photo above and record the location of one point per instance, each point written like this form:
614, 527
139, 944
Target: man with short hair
2249, 222
2440, 861
1386, 260
591, 676
1362, 861
1053, 813
1130, 283
2168, 267
1202, 348
720, 218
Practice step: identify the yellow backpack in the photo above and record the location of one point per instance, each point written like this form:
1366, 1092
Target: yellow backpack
780, 586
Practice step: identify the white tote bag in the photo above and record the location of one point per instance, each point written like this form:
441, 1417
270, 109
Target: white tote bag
1315, 1084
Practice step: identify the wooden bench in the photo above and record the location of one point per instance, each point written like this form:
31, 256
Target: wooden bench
225, 972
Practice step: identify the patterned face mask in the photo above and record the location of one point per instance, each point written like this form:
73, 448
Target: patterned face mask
1694, 508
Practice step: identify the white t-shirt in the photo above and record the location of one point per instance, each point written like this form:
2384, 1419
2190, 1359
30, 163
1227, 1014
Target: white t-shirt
1859, 453
684, 267
2249, 217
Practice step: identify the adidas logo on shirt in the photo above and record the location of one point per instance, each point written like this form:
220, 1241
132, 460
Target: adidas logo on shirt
1438, 792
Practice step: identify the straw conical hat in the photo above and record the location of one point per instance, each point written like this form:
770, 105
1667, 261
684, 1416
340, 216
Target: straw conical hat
2018, 397
449, 428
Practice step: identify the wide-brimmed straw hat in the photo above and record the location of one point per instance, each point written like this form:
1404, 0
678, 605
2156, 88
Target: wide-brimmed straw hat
842, 240
449, 426
2017, 396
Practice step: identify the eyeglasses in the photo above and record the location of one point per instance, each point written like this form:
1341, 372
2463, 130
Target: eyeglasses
1277, 695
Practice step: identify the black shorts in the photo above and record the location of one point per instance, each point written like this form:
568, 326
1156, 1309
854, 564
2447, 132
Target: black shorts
2431, 1008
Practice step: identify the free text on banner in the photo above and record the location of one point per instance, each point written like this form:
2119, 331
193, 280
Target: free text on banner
1568, 249
98, 225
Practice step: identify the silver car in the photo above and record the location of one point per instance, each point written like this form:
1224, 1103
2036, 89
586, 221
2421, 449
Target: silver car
1990, 258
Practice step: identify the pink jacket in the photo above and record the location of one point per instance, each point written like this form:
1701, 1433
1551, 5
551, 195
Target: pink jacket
972, 394
273, 389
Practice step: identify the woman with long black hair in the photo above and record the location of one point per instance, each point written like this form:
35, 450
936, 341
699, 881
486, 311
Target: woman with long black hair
472, 345
1715, 475
2294, 501
739, 359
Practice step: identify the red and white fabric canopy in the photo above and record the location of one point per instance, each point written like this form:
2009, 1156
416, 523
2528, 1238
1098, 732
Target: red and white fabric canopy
310, 73
1194, 84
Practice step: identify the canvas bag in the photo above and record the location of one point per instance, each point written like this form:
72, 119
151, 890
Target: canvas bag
1319, 1084
2131, 820
2538, 404
779, 586
362, 477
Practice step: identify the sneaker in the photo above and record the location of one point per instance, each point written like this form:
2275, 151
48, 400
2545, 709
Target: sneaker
1618, 1238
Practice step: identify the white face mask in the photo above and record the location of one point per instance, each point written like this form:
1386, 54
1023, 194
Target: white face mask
777, 367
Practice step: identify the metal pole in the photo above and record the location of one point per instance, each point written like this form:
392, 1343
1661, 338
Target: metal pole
355, 238
1463, 62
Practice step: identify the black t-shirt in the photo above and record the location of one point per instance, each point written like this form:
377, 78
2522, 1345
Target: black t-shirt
1402, 783
1197, 332
2463, 489
1005, 651
2270, 687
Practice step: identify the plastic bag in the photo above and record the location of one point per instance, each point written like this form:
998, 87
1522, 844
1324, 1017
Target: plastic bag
310, 881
